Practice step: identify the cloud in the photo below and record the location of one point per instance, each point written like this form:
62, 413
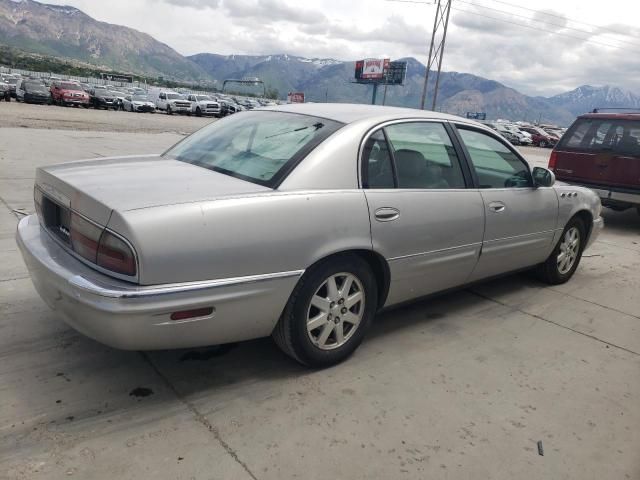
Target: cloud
522, 57
273, 11
198, 4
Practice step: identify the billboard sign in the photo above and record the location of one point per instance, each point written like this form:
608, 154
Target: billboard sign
477, 115
114, 77
295, 97
371, 68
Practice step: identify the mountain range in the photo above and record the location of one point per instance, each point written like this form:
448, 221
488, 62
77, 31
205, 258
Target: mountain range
68, 33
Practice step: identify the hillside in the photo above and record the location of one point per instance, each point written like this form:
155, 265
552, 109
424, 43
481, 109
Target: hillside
59, 34
63, 31
585, 98
331, 80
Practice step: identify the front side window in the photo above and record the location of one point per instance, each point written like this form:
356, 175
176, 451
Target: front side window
259, 147
496, 166
424, 156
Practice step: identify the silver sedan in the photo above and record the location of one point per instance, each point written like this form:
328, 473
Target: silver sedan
299, 222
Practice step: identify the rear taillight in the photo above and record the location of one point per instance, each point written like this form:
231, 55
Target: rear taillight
553, 159
37, 201
85, 237
114, 254
101, 247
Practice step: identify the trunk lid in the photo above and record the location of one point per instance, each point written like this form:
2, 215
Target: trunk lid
96, 187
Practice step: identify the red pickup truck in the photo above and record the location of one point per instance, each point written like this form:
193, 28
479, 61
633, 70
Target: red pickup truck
601, 151
69, 93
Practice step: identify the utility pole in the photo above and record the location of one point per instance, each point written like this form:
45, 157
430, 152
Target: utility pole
436, 49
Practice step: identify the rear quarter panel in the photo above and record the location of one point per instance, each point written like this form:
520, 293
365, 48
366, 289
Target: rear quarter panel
250, 235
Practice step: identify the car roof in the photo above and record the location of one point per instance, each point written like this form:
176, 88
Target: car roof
612, 116
350, 113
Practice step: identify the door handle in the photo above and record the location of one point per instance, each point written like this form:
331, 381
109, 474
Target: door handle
387, 214
497, 207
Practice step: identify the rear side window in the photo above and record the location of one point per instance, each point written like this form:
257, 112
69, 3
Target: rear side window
626, 138
378, 170
424, 156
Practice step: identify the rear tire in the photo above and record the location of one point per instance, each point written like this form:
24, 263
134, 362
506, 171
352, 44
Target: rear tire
565, 258
310, 329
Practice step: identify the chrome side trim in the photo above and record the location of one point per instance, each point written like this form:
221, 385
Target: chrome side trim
524, 235
110, 291
477, 244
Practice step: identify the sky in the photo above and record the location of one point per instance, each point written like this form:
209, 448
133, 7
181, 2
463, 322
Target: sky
539, 48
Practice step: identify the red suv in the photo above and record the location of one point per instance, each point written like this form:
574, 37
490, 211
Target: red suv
601, 151
69, 93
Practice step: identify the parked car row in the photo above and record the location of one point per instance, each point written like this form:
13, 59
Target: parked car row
56, 91
521, 133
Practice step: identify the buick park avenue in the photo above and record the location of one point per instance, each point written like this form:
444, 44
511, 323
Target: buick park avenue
298, 222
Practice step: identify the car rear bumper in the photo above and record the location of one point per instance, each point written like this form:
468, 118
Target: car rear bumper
134, 317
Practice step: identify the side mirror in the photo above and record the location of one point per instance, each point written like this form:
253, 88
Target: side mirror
543, 177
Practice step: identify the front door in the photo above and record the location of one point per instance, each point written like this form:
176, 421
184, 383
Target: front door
520, 219
424, 221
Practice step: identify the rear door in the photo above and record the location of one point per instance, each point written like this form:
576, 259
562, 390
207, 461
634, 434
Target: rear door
520, 218
424, 220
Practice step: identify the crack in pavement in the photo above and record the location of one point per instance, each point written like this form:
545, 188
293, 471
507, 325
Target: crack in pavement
606, 307
12, 279
552, 322
200, 418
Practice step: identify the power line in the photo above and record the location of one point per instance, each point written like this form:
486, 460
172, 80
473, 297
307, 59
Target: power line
531, 26
412, 1
542, 21
562, 17
587, 40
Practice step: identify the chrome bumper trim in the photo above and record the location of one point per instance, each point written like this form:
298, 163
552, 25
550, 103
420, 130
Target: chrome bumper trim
169, 288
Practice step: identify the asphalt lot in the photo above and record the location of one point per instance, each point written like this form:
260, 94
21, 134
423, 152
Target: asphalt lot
462, 386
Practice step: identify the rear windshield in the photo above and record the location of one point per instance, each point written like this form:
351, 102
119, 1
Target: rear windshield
595, 134
260, 147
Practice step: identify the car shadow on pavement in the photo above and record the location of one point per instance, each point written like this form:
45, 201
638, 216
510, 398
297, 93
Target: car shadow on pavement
627, 221
84, 381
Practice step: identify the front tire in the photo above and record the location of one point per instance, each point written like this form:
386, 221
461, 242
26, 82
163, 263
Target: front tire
565, 258
169, 110
328, 312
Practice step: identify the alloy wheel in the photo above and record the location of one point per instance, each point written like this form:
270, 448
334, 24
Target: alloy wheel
335, 311
569, 249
